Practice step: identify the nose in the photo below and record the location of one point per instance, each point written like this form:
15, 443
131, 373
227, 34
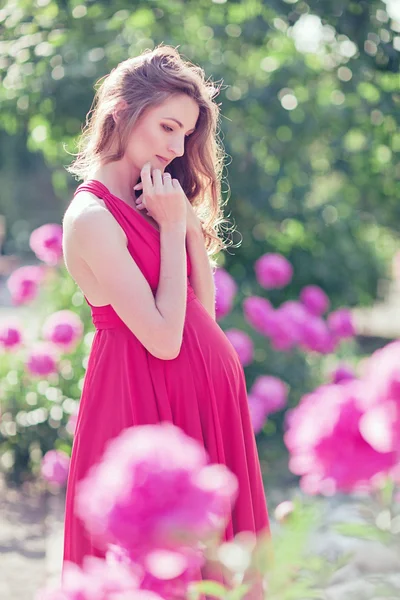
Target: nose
177, 147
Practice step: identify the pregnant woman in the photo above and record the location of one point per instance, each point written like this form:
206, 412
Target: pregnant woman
138, 237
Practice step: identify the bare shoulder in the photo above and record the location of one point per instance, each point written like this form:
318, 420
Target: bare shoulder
87, 216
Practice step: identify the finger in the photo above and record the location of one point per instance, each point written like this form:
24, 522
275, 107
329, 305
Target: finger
167, 179
138, 186
145, 174
157, 179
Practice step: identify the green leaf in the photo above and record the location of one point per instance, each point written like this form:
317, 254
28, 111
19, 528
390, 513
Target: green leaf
362, 530
211, 588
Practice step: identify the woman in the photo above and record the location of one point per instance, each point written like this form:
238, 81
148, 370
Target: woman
142, 262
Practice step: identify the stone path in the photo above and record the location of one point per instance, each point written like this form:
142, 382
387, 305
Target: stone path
30, 541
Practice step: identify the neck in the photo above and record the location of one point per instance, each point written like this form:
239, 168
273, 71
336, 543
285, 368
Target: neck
119, 178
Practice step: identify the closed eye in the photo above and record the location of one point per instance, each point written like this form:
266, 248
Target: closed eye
169, 129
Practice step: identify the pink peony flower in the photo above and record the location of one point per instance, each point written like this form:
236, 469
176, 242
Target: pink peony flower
316, 336
260, 314
10, 334
258, 413
54, 467
314, 299
287, 328
225, 292
46, 243
273, 271
243, 345
23, 284
272, 392
380, 425
340, 322
342, 373
63, 328
153, 488
325, 443
98, 580
41, 360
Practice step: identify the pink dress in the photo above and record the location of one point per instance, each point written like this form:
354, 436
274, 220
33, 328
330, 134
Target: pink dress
202, 391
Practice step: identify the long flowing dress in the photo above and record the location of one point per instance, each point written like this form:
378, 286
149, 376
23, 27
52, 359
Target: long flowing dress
202, 390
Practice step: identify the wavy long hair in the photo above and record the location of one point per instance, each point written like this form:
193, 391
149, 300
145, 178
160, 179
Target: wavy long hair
144, 82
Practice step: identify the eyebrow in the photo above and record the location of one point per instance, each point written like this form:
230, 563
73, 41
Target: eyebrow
179, 123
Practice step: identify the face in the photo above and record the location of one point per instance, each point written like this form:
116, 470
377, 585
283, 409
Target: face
161, 133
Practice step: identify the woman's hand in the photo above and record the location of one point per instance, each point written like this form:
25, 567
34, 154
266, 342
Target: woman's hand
162, 197
193, 223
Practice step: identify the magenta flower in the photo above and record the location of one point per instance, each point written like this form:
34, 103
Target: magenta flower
23, 284
63, 328
41, 360
272, 391
273, 271
317, 337
287, 332
342, 373
381, 424
46, 243
10, 335
340, 322
314, 299
98, 580
243, 345
54, 467
153, 488
258, 413
169, 572
260, 314
325, 443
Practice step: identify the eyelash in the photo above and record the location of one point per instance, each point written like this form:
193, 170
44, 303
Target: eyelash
170, 129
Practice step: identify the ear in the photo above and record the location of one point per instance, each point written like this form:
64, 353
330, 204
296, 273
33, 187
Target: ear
121, 105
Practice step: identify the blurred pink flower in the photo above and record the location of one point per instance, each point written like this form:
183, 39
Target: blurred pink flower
314, 299
340, 322
243, 345
54, 467
260, 314
325, 444
283, 511
46, 243
225, 292
71, 425
23, 284
273, 271
258, 413
381, 424
288, 319
272, 391
10, 334
97, 580
165, 572
41, 359
63, 328
342, 373
316, 336
169, 572
153, 488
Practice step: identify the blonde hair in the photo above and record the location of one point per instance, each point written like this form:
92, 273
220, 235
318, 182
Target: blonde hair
143, 82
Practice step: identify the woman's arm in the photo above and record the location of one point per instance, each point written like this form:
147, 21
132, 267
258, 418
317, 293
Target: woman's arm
201, 277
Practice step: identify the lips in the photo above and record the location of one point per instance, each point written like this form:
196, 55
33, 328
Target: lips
164, 160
